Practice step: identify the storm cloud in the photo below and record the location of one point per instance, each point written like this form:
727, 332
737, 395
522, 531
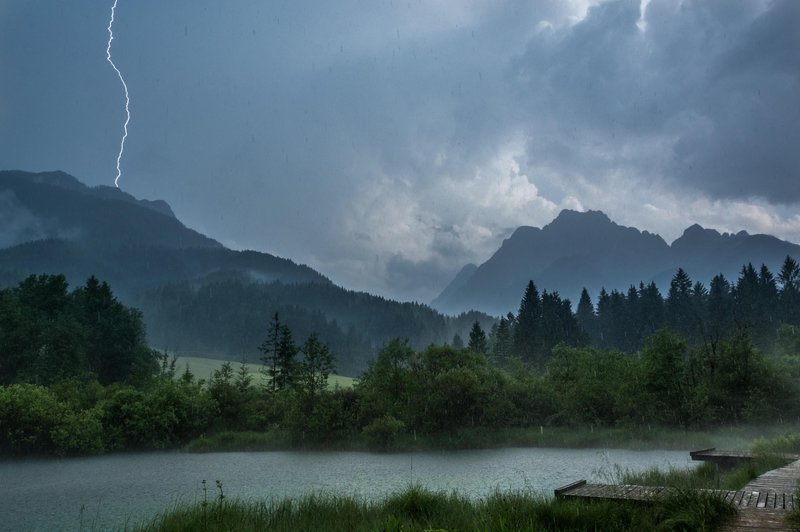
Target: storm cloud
387, 144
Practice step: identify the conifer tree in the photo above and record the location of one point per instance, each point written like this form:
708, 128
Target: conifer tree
526, 328
270, 347
585, 315
789, 295
477, 340
502, 341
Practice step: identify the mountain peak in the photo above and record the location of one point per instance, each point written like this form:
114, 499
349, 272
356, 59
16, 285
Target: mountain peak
581, 216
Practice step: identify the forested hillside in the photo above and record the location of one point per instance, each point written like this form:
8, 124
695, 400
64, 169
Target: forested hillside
759, 305
197, 296
229, 316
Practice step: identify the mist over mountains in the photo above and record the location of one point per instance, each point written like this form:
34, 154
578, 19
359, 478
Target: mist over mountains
53, 221
197, 296
587, 249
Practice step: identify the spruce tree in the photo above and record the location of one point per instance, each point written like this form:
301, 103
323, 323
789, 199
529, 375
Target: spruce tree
502, 342
789, 295
477, 340
526, 328
679, 304
587, 320
286, 370
270, 347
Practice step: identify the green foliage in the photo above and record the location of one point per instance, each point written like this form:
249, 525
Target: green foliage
48, 334
416, 508
34, 421
590, 385
28, 416
79, 432
315, 368
353, 324
662, 364
477, 340
240, 441
163, 416
382, 432
785, 443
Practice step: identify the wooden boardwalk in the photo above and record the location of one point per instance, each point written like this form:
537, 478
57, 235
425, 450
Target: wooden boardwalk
730, 458
744, 498
762, 503
784, 479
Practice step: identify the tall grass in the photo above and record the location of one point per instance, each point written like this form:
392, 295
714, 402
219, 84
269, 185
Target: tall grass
228, 441
419, 509
785, 443
705, 476
642, 437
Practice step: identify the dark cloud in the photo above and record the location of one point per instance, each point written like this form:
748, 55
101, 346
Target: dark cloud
712, 85
389, 143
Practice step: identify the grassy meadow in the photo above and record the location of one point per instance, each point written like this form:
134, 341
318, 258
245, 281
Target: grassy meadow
203, 368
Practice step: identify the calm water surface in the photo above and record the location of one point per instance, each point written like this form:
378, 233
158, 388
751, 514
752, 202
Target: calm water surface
108, 492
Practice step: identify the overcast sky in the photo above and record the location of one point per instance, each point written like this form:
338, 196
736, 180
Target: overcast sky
387, 144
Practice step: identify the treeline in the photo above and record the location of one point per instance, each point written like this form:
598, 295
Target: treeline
756, 304
49, 334
71, 386
441, 391
225, 318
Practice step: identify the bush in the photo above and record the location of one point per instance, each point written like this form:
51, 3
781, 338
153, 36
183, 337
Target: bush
382, 432
28, 415
79, 433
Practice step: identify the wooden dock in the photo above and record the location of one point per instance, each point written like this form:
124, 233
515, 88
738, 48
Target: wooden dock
762, 503
727, 459
724, 459
744, 498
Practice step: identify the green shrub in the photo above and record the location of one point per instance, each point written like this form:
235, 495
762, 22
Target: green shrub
79, 433
28, 415
382, 432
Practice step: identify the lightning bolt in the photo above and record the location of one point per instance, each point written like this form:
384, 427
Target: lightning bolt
124, 86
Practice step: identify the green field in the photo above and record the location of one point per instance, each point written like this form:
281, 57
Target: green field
202, 368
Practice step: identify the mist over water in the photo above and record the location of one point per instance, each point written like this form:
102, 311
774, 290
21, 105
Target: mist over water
115, 491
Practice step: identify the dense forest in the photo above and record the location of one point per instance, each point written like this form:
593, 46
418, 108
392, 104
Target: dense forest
79, 378
225, 316
764, 308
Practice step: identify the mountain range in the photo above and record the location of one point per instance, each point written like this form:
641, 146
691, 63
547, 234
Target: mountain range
587, 250
51, 218
197, 296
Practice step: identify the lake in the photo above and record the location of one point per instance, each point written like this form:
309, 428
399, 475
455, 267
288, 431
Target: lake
108, 492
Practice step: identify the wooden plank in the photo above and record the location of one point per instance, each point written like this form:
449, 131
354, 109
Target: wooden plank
568, 487
761, 500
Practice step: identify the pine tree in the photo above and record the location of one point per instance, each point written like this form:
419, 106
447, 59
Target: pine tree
270, 348
745, 297
502, 342
604, 319
316, 367
632, 318
286, 369
526, 328
477, 340
651, 306
587, 320
679, 304
789, 295
719, 310
767, 298
458, 343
